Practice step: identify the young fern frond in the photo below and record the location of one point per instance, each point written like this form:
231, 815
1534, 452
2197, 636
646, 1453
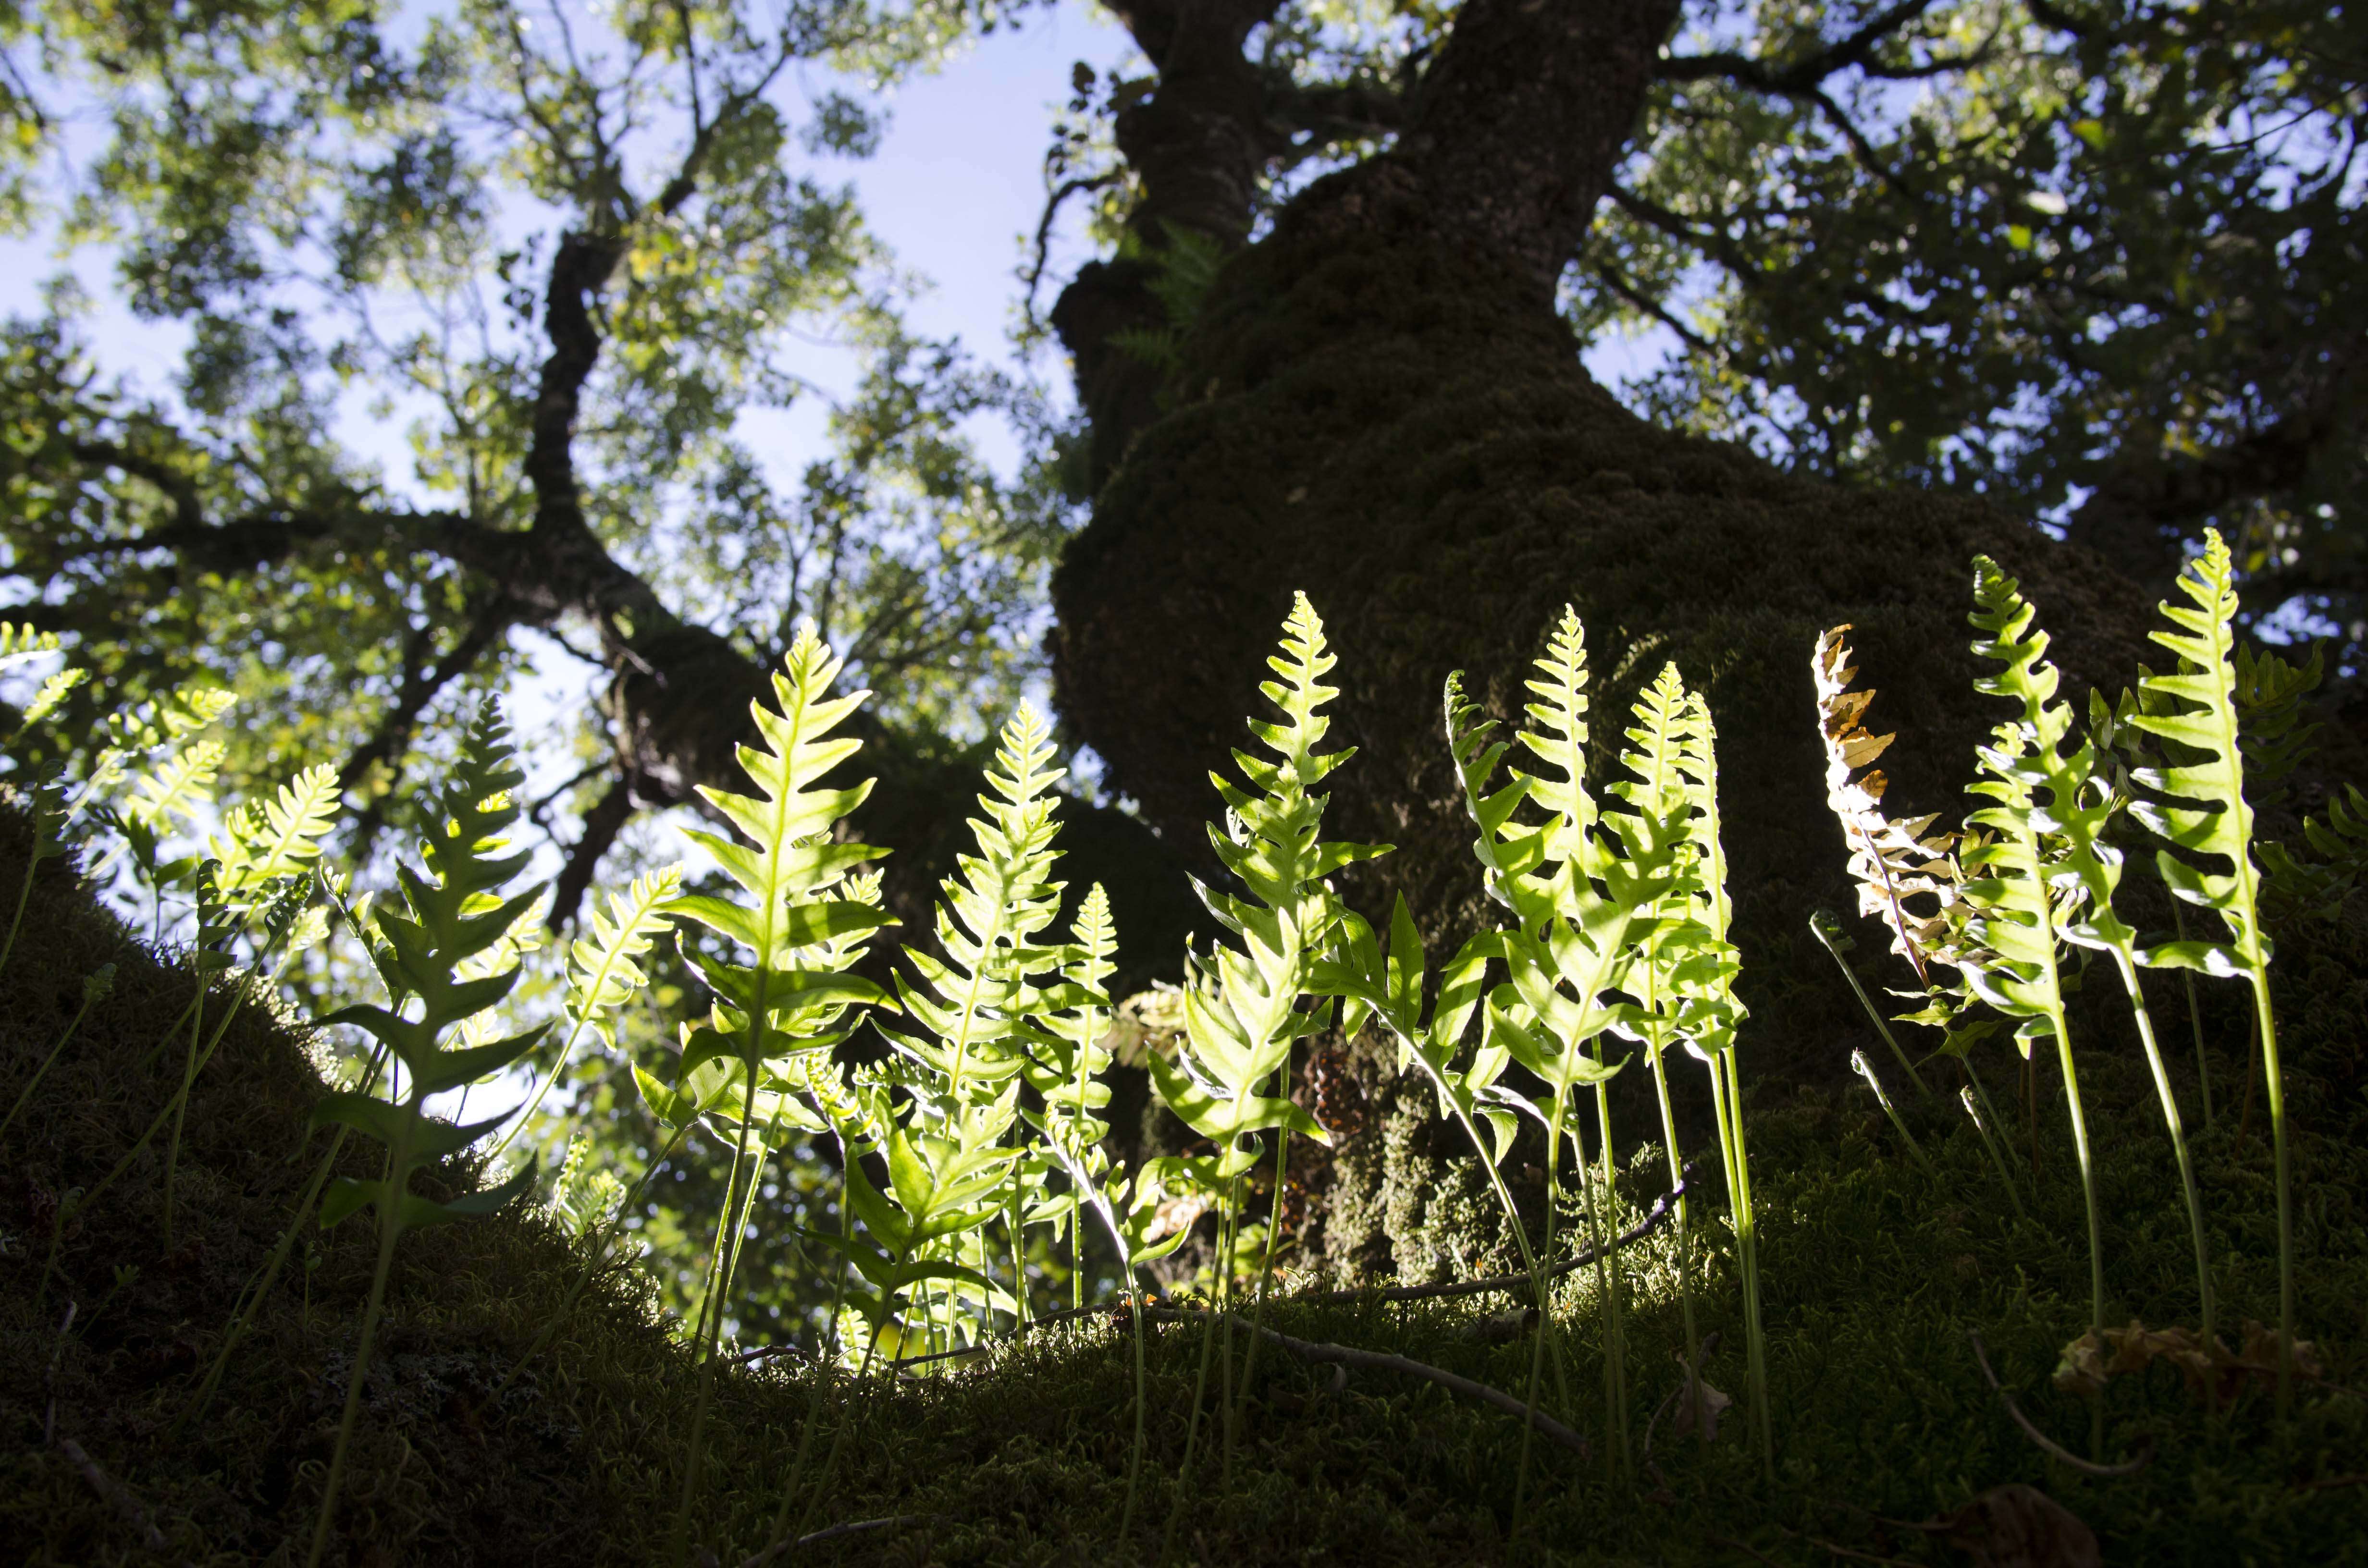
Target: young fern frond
1243, 1006
452, 912
604, 974
2015, 920
1064, 1068
971, 1007
1673, 938
1708, 1017
2081, 803
784, 988
2202, 810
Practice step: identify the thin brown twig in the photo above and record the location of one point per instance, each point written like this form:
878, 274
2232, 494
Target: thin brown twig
1743, 1546
58, 1354
114, 1494
2049, 1445
836, 1532
1376, 1360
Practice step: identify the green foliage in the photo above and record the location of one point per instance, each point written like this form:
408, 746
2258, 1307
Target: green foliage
2201, 808
454, 913
1247, 1007
2014, 249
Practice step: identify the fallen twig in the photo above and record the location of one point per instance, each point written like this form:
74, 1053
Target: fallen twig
1348, 1356
836, 1532
2054, 1448
113, 1494
50, 1420
1663, 1208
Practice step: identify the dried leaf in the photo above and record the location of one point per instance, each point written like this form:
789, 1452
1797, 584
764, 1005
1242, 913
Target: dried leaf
2021, 1527
2092, 1361
1891, 861
1698, 1394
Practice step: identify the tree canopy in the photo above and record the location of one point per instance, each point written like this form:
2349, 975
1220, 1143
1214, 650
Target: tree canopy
2092, 259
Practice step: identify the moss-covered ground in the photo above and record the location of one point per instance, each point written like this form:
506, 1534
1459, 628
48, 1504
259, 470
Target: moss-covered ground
1875, 1269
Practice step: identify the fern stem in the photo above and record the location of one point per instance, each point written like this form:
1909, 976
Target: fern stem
1997, 1155
2273, 1082
2194, 1019
2206, 1295
1266, 1265
712, 1330
821, 1371
1882, 1026
389, 1231
1685, 1244
47, 1062
1191, 1438
1615, 1362
259, 1286
1544, 1291
1727, 1096
181, 1107
1865, 1068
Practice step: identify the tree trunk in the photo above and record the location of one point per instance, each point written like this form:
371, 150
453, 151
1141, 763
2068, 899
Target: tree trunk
1378, 404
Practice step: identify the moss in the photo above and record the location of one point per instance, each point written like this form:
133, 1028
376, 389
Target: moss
1874, 1269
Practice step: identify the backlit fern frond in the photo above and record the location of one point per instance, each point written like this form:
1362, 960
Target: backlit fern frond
1891, 862
788, 990
279, 837
2200, 807
1243, 1005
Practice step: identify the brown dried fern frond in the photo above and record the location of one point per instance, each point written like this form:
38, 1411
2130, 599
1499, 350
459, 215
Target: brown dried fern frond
1890, 861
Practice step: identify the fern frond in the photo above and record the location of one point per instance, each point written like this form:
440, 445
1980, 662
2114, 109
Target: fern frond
972, 1003
279, 837
2200, 807
1243, 1005
1891, 862
53, 691
792, 991
2067, 834
19, 643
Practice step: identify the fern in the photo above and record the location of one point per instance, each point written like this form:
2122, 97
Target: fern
972, 1006
1665, 739
2080, 805
2201, 809
1580, 897
604, 974
791, 992
1063, 1067
1245, 1007
1708, 1017
281, 835
453, 911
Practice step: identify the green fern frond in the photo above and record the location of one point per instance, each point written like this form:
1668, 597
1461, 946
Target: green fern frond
971, 1004
1243, 1005
53, 691
453, 913
2201, 807
2271, 725
2067, 832
279, 837
791, 992
19, 643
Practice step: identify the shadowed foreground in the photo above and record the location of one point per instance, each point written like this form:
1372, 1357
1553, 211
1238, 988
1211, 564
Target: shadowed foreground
1885, 1433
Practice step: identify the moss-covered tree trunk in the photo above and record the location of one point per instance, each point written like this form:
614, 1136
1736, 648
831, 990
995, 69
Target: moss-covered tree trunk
1378, 404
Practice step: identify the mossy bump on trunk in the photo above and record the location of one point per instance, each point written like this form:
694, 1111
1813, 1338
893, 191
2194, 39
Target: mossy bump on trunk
1368, 412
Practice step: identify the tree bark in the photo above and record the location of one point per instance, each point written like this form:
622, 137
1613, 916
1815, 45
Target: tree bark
1379, 406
